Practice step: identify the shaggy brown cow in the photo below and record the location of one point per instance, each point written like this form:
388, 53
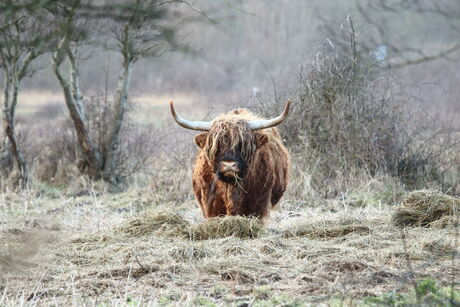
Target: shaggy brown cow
242, 167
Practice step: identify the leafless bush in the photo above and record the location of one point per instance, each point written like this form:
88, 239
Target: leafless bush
6, 162
56, 156
352, 117
50, 148
137, 142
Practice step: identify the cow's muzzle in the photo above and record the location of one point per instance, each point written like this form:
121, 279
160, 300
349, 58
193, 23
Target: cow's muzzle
228, 171
229, 167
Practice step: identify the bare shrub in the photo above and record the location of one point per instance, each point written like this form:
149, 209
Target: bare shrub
351, 117
52, 150
6, 162
58, 160
137, 142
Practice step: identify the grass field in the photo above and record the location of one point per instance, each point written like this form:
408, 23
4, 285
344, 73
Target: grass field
152, 247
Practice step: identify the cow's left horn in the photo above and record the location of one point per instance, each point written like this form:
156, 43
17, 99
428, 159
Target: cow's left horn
268, 123
195, 125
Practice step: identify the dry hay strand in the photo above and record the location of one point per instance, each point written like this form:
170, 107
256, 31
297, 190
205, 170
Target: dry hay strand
163, 222
220, 227
234, 269
86, 249
326, 230
190, 252
347, 265
428, 208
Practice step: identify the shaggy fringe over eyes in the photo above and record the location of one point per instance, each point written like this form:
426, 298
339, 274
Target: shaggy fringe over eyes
228, 135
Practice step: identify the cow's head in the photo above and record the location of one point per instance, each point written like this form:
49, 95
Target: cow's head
230, 141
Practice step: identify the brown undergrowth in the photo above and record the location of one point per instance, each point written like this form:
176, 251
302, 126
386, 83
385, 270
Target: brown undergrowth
115, 250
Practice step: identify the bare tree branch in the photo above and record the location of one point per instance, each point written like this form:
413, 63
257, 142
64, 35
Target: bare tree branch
441, 54
378, 14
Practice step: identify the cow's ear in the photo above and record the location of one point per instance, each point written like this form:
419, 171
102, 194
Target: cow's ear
261, 139
200, 139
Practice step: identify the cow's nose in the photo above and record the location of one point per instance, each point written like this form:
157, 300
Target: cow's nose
229, 166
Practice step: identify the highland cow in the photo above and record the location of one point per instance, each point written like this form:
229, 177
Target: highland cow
242, 167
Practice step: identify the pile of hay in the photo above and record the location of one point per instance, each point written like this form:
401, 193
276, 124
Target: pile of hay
171, 224
220, 227
428, 208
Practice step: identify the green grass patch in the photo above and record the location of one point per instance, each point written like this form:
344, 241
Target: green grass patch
426, 292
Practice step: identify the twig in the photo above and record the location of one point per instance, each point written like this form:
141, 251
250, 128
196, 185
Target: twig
195, 9
137, 260
275, 92
442, 54
409, 264
352, 39
238, 9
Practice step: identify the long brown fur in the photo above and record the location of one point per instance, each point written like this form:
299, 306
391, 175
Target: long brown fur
267, 173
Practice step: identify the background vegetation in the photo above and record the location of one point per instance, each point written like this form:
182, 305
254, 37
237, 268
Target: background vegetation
96, 203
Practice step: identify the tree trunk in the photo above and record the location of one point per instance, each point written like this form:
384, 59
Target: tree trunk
11, 87
93, 161
121, 102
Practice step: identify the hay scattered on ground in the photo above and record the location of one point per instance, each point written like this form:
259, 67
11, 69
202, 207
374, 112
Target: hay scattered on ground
171, 224
326, 230
237, 226
429, 208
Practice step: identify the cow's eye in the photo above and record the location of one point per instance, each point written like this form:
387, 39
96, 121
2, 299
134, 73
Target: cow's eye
239, 147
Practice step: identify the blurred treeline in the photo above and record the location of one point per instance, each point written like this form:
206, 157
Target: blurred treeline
230, 53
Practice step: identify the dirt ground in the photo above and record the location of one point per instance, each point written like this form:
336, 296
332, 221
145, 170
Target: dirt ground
135, 248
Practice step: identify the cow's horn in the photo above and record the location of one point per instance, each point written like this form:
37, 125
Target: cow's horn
197, 125
268, 123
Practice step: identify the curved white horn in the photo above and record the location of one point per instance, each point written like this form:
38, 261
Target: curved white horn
268, 123
196, 125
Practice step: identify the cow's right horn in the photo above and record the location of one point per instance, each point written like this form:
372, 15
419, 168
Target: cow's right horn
196, 125
268, 123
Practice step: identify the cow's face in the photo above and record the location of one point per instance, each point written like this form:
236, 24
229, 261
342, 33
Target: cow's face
230, 148
229, 163
231, 140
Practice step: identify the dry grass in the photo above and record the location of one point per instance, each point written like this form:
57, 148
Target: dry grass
427, 208
139, 248
162, 222
327, 229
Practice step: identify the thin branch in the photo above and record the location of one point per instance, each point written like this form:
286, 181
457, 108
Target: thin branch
275, 92
351, 30
4, 27
195, 9
238, 9
25, 64
429, 58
